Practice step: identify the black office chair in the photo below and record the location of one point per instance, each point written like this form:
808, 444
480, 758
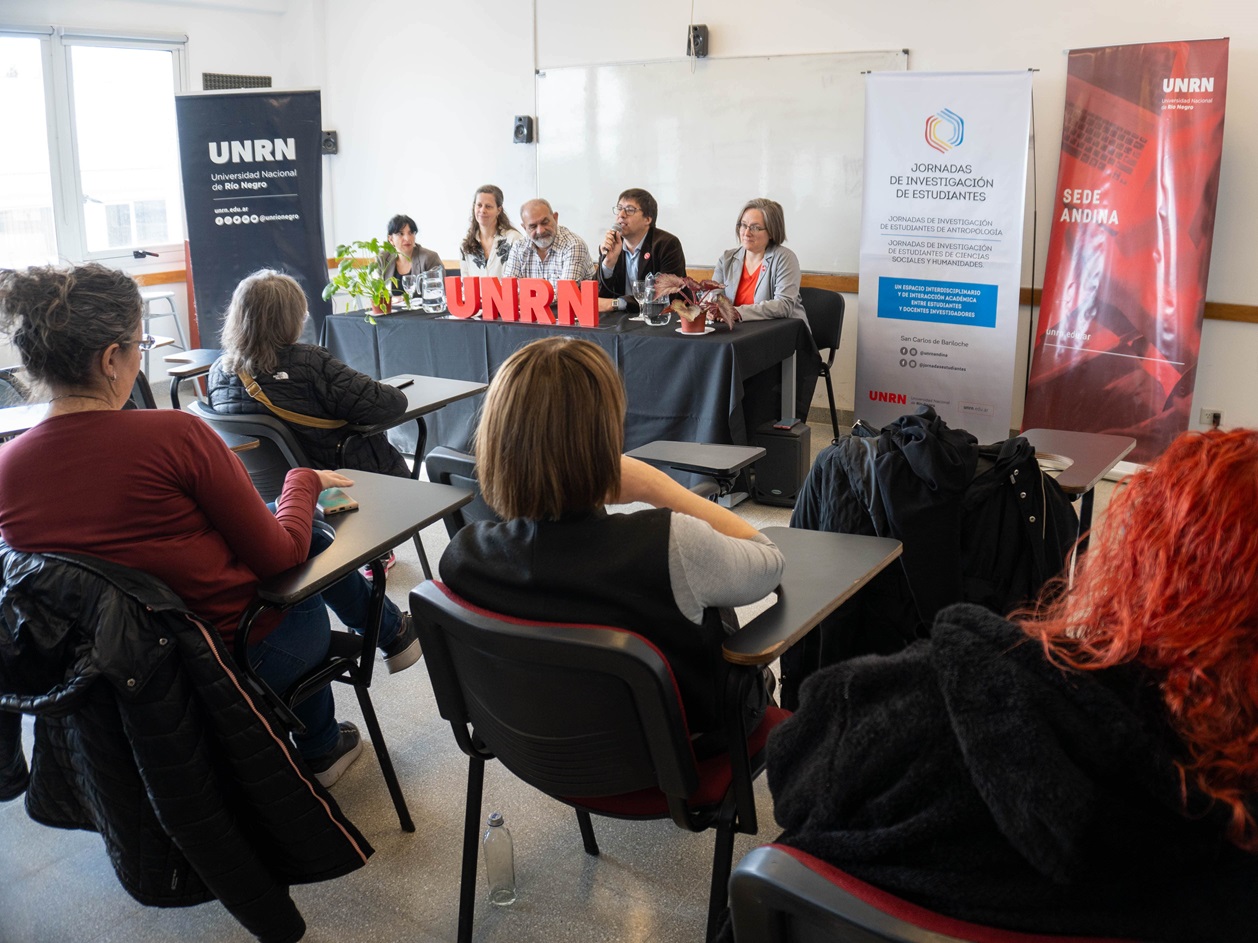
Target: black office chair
824, 310
589, 715
448, 467
141, 394
278, 451
351, 658
780, 894
13, 389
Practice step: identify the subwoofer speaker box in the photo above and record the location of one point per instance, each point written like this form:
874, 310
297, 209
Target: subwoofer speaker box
781, 473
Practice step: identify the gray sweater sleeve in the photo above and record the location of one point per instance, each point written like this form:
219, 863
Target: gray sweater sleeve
711, 569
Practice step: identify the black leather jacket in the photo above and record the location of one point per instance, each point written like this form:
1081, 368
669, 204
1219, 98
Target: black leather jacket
148, 735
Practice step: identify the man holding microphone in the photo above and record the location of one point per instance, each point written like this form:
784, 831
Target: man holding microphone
633, 249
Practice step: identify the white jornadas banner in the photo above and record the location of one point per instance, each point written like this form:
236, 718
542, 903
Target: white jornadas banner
941, 246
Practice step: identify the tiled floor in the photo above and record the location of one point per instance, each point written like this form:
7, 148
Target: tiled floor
650, 884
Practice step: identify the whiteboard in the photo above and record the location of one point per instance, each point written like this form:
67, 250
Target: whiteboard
704, 142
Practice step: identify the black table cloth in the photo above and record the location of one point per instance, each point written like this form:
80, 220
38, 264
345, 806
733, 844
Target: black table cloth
716, 387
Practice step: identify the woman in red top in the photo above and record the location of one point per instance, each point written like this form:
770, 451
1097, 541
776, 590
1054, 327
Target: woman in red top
760, 275
155, 490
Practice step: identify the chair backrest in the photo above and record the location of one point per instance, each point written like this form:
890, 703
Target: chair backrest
13, 390
141, 394
824, 310
779, 894
278, 450
573, 710
448, 467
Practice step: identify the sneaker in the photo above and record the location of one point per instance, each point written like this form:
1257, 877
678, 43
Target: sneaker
404, 650
388, 565
332, 765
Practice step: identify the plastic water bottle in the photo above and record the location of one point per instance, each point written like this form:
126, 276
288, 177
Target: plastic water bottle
499, 861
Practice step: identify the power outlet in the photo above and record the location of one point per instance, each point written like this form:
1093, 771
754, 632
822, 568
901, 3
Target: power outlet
1211, 417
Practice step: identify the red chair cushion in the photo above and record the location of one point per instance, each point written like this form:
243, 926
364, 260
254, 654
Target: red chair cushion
920, 916
715, 776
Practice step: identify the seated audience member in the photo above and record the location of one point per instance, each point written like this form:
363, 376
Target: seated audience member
761, 276
411, 257
549, 457
551, 251
1088, 768
633, 249
260, 346
156, 490
489, 238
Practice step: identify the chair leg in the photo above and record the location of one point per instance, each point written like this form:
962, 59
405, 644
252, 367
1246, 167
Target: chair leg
834, 413
382, 755
587, 832
423, 557
471, 843
722, 863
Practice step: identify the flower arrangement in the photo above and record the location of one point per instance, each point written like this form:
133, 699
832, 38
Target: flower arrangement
695, 300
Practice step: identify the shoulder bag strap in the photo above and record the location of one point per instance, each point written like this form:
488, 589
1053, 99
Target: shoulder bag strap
255, 391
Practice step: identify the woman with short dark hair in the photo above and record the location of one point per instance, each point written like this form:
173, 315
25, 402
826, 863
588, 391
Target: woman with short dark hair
156, 489
410, 258
549, 459
761, 276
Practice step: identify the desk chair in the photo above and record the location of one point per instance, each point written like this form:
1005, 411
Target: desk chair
13, 390
150, 297
141, 394
589, 715
721, 463
350, 660
780, 894
188, 365
824, 311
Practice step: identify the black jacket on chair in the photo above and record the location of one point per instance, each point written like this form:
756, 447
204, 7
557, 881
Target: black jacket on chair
147, 734
980, 524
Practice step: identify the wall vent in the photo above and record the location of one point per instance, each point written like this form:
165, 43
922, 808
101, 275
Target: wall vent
216, 81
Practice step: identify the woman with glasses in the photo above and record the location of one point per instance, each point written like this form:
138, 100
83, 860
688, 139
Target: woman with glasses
760, 275
156, 490
485, 248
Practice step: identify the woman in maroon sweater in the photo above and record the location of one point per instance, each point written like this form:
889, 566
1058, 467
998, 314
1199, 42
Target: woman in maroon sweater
155, 490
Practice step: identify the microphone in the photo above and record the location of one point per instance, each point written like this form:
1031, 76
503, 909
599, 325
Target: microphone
617, 227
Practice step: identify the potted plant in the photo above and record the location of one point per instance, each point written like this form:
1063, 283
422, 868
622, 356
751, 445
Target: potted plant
696, 301
360, 277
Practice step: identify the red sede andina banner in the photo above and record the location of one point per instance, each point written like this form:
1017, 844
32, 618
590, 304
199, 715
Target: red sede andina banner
1125, 283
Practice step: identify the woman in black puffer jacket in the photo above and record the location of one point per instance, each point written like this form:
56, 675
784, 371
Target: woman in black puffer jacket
260, 335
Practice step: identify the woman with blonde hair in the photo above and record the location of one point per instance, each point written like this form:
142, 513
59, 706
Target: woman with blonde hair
549, 460
1088, 767
260, 343
487, 245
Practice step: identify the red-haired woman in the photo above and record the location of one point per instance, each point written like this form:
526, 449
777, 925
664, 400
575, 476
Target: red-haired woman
1090, 768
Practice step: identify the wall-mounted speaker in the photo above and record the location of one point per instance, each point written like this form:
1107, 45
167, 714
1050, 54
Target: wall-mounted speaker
523, 133
329, 144
697, 41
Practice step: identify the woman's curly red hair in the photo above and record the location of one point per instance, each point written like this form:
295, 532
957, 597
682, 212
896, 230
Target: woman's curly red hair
1170, 581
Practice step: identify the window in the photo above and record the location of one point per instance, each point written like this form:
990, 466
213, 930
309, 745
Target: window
94, 171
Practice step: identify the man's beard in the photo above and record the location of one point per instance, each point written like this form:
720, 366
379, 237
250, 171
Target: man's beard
543, 242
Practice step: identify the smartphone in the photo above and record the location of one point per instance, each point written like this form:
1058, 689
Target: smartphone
334, 501
785, 423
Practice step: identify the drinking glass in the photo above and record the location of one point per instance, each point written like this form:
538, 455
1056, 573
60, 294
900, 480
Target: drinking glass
432, 286
408, 286
640, 291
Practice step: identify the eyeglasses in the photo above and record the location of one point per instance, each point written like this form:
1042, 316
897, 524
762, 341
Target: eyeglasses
752, 228
147, 342
627, 210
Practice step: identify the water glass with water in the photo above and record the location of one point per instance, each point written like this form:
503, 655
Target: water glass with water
432, 286
408, 286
